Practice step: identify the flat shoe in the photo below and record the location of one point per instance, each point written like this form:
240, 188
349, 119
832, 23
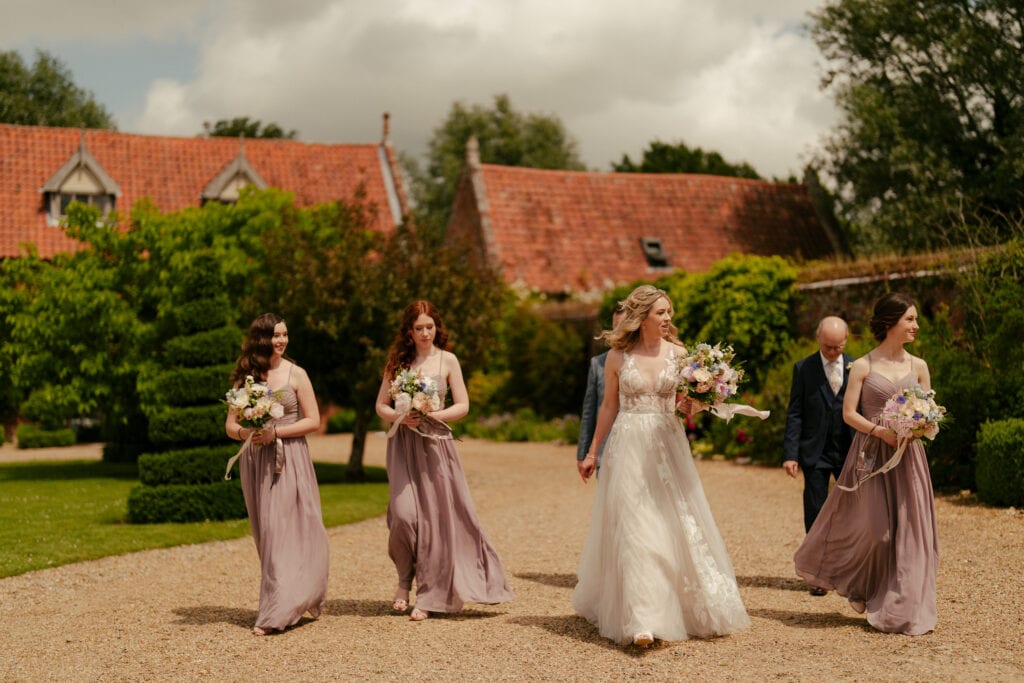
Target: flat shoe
418, 615
257, 631
818, 591
643, 639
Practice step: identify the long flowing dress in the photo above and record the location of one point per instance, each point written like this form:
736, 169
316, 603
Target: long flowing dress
877, 545
287, 525
653, 560
434, 534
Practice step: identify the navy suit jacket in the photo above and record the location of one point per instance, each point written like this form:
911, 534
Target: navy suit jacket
592, 400
812, 411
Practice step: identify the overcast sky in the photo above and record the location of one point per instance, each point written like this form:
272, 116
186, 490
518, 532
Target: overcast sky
736, 76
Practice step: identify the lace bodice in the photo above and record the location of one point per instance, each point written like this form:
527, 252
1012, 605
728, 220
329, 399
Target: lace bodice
637, 394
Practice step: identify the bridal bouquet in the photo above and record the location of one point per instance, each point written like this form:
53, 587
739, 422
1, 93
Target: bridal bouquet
255, 402
707, 374
913, 413
412, 391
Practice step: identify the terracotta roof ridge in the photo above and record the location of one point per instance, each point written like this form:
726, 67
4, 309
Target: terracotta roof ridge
621, 174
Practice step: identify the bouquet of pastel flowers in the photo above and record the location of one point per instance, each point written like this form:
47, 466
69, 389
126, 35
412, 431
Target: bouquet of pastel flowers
710, 375
913, 413
412, 391
256, 405
707, 375
255, 402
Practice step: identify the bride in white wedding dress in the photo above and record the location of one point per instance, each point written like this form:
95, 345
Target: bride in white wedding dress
653, 564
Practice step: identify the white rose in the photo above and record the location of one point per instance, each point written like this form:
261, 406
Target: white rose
277, 411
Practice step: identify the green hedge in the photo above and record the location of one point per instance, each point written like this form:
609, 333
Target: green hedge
185, 386
217, 346
32, 436
186, 503
188, 426
999, 470
201, 314
202, 465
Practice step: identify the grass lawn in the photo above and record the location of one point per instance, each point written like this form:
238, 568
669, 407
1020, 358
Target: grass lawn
54, 513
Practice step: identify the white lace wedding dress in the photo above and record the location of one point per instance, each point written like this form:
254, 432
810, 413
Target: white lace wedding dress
653, 560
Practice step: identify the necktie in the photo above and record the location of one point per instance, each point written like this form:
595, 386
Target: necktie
835, 376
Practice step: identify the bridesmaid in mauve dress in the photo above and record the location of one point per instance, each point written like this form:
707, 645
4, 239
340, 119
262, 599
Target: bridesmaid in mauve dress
434, 534
874, 541
281, 494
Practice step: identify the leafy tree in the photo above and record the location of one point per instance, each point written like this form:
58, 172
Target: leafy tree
250, 128
342, 287
662, 157
505, 137
932, 98
45, 95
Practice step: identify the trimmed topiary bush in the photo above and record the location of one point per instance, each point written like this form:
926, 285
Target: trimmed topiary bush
180, 503
181, 392
999, 470
33, 436
202, 465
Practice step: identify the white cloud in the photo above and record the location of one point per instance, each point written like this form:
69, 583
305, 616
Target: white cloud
735, 77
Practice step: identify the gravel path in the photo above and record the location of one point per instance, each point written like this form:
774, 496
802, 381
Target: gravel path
184, 613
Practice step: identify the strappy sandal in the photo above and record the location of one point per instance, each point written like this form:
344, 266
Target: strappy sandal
400, 605
418, 615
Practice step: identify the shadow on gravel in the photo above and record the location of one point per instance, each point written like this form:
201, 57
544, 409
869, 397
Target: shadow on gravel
200, 616
812, 620
781, 583
577, 628
556, 580
381, 608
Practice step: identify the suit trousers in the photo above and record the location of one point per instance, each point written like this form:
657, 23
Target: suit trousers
816, 481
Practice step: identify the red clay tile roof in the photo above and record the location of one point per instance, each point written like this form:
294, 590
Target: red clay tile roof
174, 171
559, 231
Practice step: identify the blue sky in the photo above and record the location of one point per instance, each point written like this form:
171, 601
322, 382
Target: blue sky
736, 76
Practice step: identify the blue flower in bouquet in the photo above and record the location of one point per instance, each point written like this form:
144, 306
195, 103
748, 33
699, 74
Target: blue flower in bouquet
708, 374
913, 412
411, 390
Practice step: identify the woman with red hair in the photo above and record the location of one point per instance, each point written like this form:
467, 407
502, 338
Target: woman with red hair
434, 534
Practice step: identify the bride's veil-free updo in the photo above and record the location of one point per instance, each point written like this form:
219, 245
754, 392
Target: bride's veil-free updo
636, 307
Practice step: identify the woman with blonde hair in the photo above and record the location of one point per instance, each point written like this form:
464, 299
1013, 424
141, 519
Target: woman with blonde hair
653, 564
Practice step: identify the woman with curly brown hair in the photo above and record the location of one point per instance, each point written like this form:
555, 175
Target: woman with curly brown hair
434, 534
279, 484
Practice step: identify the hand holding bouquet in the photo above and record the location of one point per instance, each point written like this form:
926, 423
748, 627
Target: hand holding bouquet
913, 413
707, 375
255, 403
412, 391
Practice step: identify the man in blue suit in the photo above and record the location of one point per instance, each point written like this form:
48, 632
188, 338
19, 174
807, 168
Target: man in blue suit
817, 439
592, 400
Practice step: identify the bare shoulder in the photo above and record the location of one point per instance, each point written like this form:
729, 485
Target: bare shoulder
861, 366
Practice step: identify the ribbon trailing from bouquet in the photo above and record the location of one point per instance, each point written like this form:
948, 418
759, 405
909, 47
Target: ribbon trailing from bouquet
897, 456
728, 411
433, 421
278, 455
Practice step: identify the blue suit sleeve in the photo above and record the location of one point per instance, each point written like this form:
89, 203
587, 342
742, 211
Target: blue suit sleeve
588, 415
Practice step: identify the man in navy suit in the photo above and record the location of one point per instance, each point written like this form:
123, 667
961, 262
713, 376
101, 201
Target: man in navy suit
817, 439
592, 400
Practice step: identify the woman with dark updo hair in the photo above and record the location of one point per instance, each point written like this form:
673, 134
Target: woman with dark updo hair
279, 484
874, 541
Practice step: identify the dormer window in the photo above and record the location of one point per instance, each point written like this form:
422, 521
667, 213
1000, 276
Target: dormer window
654, 252
80, 179
228, 184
